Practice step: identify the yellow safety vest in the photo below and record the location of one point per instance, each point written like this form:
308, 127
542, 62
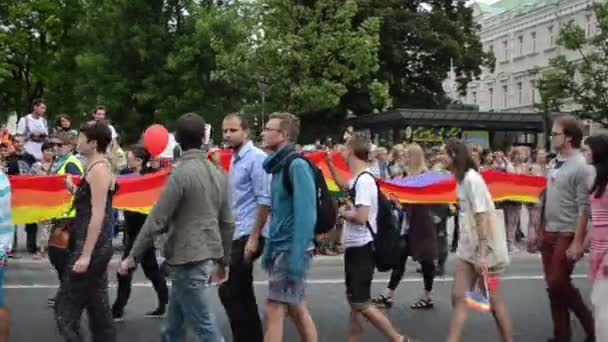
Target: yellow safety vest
71, 159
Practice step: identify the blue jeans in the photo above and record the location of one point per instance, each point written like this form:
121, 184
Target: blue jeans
189, 303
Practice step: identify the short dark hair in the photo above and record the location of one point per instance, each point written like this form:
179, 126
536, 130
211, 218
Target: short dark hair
462, 161
289, 123
100, 107
190, 131
139, 151
572, 129
361, 146
98, 132
47, 145
242, 118
37, 102
60, 117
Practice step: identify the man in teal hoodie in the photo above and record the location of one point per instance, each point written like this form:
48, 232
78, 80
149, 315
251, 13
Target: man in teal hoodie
289, 247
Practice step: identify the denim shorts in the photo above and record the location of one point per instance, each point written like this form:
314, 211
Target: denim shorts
281, 289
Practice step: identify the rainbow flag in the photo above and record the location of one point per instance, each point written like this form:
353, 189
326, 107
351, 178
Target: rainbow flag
434, 188
39, 198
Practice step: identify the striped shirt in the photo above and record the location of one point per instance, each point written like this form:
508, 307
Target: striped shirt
599, 236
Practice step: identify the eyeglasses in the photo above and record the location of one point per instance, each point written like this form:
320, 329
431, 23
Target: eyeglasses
555, 134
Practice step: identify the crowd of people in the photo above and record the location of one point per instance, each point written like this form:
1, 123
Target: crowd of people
216, 225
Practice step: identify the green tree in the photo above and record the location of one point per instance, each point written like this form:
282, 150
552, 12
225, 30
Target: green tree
420, 40
580, 80
31, 33
307, 52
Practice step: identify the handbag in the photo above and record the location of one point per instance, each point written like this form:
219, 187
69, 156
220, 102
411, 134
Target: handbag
497, 253
60, 237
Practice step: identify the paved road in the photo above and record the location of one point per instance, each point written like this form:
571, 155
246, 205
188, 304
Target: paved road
29, 284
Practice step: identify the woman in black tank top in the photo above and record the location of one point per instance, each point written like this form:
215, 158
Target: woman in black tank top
85, 282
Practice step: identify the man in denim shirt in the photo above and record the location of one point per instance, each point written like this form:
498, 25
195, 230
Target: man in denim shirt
250, 203
194, 211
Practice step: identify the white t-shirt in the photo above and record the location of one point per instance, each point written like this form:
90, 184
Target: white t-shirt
29, 125
114, 134
473, 198
356, 235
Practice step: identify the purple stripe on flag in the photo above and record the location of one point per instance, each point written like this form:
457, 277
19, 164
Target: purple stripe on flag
421, 180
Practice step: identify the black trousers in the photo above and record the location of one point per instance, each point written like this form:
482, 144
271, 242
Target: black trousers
456, 235
152, 271
31, 229
79, 292
442, 241
59, 258
238, 296
428, 269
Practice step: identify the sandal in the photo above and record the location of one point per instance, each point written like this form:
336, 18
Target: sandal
383, 302
423, 304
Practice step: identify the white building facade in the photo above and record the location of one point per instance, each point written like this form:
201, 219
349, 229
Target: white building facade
523, 35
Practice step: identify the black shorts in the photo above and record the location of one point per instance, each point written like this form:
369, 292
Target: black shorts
359, 272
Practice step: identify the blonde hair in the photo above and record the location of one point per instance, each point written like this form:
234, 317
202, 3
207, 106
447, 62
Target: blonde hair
396, 151
289, 123
413, 170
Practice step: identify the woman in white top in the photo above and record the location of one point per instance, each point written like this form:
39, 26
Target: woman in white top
482, 249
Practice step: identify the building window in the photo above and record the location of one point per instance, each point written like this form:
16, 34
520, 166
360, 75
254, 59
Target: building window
505, 96
505, 50
533, 41
519, 93
491, 48
520, 43
474, 96
550, 38
589, 29
491, 96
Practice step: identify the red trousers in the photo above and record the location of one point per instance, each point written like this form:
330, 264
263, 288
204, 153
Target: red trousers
563, 296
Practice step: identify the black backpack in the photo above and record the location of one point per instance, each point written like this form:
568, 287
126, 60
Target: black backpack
327, 213
387, 238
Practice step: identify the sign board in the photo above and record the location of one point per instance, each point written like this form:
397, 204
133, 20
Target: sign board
434, 134
479, 138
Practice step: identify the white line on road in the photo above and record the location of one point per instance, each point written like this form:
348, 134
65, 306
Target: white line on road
310, 282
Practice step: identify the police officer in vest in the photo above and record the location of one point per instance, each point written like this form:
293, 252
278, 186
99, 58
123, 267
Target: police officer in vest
66, 162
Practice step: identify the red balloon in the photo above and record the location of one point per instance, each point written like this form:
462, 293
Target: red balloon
156, 139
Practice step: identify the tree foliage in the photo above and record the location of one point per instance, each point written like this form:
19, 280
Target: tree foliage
580, 80
419, 41
151, 60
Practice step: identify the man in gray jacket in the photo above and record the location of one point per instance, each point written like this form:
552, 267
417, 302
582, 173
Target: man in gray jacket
194, 211
566, 214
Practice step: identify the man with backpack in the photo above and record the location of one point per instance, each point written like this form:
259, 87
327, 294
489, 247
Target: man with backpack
365, 247
289, 246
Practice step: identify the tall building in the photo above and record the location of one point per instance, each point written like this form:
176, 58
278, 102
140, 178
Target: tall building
523, 35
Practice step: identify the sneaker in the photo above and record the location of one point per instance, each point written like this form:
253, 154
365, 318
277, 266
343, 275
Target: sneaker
158, 313
118, 316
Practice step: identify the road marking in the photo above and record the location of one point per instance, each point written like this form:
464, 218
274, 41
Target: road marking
310, 282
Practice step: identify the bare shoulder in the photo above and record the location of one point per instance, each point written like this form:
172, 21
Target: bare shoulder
100, 174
